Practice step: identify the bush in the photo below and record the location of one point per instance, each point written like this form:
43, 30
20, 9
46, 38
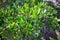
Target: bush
21, 21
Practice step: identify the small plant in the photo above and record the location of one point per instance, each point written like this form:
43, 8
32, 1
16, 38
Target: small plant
19, 22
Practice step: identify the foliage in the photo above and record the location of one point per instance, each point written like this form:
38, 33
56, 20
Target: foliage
21, 19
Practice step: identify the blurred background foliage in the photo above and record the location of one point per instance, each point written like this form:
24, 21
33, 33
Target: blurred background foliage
20, 19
